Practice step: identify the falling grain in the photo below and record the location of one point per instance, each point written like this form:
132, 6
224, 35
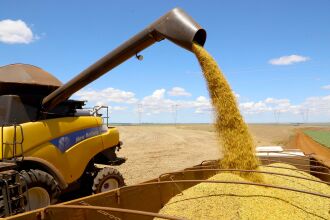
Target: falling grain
233, 133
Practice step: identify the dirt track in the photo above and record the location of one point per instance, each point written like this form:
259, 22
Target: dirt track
309, 146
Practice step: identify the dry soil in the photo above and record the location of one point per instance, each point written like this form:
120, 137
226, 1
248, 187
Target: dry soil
309, 146
155, 149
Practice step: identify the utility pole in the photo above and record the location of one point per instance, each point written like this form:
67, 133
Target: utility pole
175, 113
140, 110
304, 113
277, 116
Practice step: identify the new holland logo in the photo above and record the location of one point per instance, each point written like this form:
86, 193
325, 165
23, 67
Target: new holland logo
65, 142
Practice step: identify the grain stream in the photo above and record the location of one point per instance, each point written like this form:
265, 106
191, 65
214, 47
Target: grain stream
234, 136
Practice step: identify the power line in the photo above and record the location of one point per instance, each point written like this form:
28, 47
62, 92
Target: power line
304, 114
140, 111
175, 113
277, 116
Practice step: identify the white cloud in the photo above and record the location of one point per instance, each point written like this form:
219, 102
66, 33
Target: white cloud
15, 32
313, 105
119, 108
278, 102
178, 91
156, 102
202, 105
267, 105
254, 107
317, 105
287, 60
326, 87
202, 99
158, 94
106, 95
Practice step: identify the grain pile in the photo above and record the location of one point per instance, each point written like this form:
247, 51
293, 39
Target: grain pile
233, 201
236, 141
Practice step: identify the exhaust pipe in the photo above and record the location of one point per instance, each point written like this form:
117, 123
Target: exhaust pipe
176, 26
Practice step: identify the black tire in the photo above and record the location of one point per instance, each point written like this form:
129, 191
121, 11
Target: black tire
2, 209
105, 174
39, 178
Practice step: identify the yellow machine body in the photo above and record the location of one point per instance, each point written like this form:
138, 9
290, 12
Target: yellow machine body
66, 145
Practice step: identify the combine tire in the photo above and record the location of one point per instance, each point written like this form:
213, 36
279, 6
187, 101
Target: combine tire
107, 179
42, 189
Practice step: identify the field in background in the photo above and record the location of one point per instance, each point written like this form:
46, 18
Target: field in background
320, 136
155, 149
264, 134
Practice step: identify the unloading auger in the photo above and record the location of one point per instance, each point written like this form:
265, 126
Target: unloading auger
51, 141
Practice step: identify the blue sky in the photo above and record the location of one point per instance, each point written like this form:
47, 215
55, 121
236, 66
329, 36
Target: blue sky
275, 55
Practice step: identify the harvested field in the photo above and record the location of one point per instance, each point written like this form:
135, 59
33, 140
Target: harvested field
155, 149
264, 134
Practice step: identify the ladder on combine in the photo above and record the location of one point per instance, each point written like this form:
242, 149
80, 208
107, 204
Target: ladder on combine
12, 200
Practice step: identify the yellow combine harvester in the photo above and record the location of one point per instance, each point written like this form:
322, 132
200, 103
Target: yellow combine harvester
49, 144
